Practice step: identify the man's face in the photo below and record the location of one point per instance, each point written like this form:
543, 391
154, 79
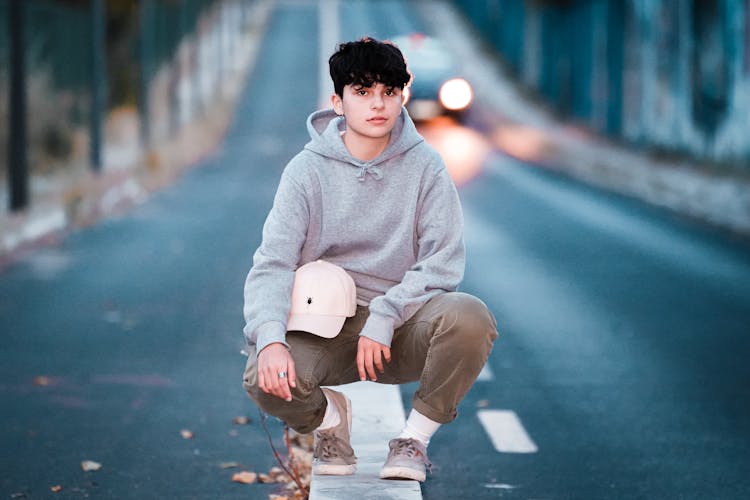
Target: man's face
370, 112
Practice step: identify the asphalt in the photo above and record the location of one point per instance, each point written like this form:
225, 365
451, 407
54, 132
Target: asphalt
135, 323
623, 325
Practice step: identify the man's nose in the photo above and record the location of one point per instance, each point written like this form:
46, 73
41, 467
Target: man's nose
377, 101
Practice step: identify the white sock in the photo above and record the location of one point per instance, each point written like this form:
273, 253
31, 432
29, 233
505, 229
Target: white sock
331, 418
419, 427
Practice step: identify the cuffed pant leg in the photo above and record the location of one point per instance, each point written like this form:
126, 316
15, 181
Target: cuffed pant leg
304, 413
445, 345
318, 362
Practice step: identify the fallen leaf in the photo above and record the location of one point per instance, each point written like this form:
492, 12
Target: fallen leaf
265, 478
483, 403
186, 434
303, 456
275, 471
42, 381
56, 488
278, 475
278, 497
89, 465
241, 420
229, 465
245, 477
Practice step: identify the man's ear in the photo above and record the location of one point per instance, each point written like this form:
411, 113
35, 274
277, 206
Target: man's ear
337, 103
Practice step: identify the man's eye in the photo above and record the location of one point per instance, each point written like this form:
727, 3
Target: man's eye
361, 92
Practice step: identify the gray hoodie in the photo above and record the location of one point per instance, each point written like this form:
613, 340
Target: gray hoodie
393, 223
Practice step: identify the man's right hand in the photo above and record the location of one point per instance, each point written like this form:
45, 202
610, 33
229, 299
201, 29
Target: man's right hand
273, 360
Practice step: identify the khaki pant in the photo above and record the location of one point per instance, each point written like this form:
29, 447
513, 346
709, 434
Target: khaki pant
444, 346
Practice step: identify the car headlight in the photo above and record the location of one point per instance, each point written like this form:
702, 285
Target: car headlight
456, 94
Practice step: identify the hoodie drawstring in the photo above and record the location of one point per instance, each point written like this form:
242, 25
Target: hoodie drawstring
375, 172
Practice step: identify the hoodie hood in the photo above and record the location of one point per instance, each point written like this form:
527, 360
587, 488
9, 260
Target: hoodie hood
325, 128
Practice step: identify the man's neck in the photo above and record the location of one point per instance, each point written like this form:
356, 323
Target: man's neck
365, 149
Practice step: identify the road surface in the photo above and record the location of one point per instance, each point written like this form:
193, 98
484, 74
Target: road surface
621, 370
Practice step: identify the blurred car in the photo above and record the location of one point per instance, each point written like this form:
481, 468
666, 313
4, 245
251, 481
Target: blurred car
437, 87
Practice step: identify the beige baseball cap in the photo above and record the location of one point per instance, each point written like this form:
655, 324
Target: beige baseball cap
323, 296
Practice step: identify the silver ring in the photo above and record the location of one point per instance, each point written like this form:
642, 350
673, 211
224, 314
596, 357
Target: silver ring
282, 374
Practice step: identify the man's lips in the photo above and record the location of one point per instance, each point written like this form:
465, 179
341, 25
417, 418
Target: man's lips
377, 119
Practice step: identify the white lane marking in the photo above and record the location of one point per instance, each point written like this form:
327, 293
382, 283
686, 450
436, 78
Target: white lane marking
328, 27
486, 374
377, 416
506, 431
500, 486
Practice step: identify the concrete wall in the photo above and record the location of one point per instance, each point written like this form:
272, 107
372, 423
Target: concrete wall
671, 75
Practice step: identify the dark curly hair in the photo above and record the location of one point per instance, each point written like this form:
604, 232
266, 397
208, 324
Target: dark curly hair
365, 62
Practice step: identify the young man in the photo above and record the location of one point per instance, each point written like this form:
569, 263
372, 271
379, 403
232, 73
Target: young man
368, 195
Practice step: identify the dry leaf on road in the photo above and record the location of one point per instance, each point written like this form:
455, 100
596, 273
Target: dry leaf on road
56, 488
245, 477
229, 465
265, 478
278, 475
186, 434
241, 420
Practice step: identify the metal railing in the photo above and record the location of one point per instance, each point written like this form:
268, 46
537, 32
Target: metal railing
64, 66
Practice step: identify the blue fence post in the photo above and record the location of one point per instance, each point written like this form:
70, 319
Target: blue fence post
98, 81
175, 98
555, 57
580, 56
614, 66
509, 36
18, 174
145, 58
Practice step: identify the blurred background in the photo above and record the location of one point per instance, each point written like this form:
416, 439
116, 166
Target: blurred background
107, 86
671, 76
602, 155
124, 85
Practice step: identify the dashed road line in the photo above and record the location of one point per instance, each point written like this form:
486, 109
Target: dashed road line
506, 431
328, 19
377, 416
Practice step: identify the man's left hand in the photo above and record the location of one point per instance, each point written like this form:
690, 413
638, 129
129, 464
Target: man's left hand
370, 356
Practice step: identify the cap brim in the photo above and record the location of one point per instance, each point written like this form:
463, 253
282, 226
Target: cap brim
322, 326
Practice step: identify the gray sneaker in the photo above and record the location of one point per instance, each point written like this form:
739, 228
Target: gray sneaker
407, 459
333, 453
